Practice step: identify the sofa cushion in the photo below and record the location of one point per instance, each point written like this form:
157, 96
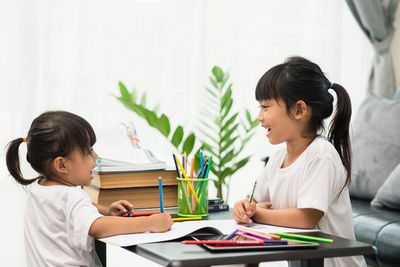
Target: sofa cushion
377, 226
376, 145
388, 194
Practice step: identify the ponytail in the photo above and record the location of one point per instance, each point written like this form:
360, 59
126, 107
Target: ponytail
339, 129
13, 164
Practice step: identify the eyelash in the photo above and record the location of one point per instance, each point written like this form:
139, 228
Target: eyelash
263, 106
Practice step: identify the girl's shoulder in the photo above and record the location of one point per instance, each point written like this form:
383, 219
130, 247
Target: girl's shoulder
56, 192
322, 148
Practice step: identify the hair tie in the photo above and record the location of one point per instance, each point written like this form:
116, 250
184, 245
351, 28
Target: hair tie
24, 139
331, 86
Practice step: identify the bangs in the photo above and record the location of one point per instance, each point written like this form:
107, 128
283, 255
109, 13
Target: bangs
80, 134
269, 86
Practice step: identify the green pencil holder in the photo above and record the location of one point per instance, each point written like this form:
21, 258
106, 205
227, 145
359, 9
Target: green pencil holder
192, 197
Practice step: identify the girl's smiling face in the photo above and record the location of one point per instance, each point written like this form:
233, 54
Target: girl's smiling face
80, 164
274, 117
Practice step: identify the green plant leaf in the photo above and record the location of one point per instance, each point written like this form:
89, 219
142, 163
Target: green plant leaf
214, 82
218, 73
228, 108
164, 125
188, 144
248, 116
226, 77
225, 173
211, 92
124, 92
241, 163
228, 134
229, 121
229, 143
226, 98
177, 136
143, 99
151, 117
227, 158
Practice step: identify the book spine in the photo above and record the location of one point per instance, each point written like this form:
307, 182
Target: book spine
216, 208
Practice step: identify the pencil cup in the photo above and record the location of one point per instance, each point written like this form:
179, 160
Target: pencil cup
192, 197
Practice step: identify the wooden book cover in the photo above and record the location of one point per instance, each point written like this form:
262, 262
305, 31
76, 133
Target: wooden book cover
108, 180
140, 197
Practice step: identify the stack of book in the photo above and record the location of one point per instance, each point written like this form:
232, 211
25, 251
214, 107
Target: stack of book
138, 187
126, 170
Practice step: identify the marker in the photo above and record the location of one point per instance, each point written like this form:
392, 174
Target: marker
186, 219
305, 237
161, 194
252, 192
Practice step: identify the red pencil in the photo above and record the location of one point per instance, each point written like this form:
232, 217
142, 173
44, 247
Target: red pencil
141, 214
225, 242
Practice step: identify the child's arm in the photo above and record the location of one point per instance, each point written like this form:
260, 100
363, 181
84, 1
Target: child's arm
294, 217
113, 225
117, 208
244, 212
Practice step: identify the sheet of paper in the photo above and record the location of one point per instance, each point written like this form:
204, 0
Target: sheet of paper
180, 229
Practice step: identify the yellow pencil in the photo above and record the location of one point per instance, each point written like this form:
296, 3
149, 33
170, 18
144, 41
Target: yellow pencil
185, 219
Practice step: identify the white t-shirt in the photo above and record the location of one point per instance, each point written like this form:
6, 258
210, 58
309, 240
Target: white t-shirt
56, 226
314, 181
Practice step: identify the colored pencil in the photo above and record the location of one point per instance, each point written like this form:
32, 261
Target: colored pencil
252, 193
176, 166
186, 219
224, 242
161, 194
305, 237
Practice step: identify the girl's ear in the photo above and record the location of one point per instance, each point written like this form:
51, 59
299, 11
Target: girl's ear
59, 165
300, 110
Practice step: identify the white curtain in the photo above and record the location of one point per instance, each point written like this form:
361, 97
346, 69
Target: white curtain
70, 55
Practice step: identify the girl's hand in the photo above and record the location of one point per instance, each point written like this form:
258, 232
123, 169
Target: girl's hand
161, 222
119, 208
243, 211
264, 205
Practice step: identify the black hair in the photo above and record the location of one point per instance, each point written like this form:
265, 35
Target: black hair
300, 79
52, 134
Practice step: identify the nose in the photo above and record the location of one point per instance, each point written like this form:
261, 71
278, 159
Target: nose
260, 116
95, 156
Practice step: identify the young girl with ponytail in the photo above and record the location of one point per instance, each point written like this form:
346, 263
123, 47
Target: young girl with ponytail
60, 220
305, 184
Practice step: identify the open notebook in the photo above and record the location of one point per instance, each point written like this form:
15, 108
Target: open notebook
119, 150
181, 229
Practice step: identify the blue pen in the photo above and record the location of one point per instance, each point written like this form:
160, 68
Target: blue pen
161, 194
201, 163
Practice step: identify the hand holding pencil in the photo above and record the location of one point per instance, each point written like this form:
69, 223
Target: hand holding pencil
244, 209
160, 222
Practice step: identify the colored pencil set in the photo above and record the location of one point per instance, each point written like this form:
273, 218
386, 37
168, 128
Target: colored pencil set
192, 191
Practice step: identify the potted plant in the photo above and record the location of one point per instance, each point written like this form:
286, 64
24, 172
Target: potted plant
223, 133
